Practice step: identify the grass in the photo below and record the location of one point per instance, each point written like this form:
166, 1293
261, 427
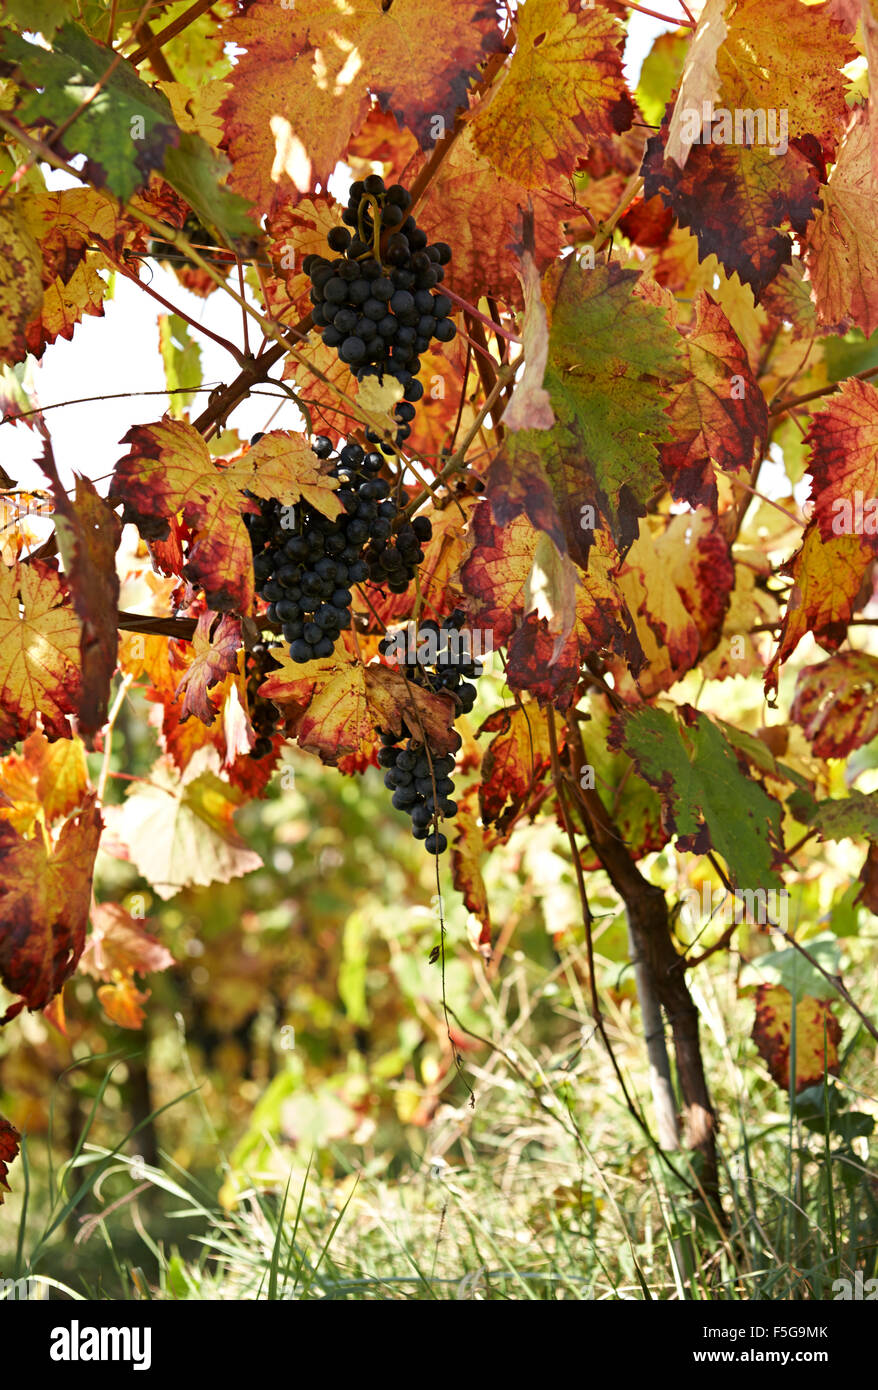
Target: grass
543, 1189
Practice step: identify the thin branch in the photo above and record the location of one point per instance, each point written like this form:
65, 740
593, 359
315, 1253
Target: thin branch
791, 401
113, 715
170, 31
12, 416
675, 23
483, 318
181, 628
181, 313
457, 462
157, 60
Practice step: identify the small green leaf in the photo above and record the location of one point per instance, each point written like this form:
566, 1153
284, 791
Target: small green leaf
790, 968
710, 801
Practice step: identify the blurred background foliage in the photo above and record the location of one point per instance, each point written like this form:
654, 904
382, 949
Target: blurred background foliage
302, 1031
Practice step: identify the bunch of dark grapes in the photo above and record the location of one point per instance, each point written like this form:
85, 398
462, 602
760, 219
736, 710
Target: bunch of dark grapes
304, 563
375, 301
420, 779
264, 714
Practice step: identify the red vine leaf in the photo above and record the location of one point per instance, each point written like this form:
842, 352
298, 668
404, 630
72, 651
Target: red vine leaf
563, 86
514, 763
818, 1033
296, 100
44, 900
215, 645
737, 199
335, 708
10, 1140
88, 537
836, 703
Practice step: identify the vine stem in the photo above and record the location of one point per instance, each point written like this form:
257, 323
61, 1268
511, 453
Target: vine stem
791, 401
489, 323
170, 31
113, 715
688, 23
458, 459
198, 327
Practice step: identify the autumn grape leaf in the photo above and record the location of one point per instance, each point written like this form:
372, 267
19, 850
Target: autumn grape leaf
536, 664
836, 703
124, 127
514, 763
80, 231
21, 284
843, 462
610, 356
196, 109
178, 829
851, 817
45, 781
284, 466
294, 233
494, 578
467, 852
334, 707
842, 251
637, 809
170, 470
119, 941
818, 1033
303, 87
61, 78
827, 577
9, 1142
39, 652
700, 80
709, 800
787, 57
44, 900
518, 480
676, 582
718, 414
480, 212
230, 732
442, 375
563, 85
737, 199
88, 534
495, 573
123, 1002
550, 591
215, 644
329, 410
118, 947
